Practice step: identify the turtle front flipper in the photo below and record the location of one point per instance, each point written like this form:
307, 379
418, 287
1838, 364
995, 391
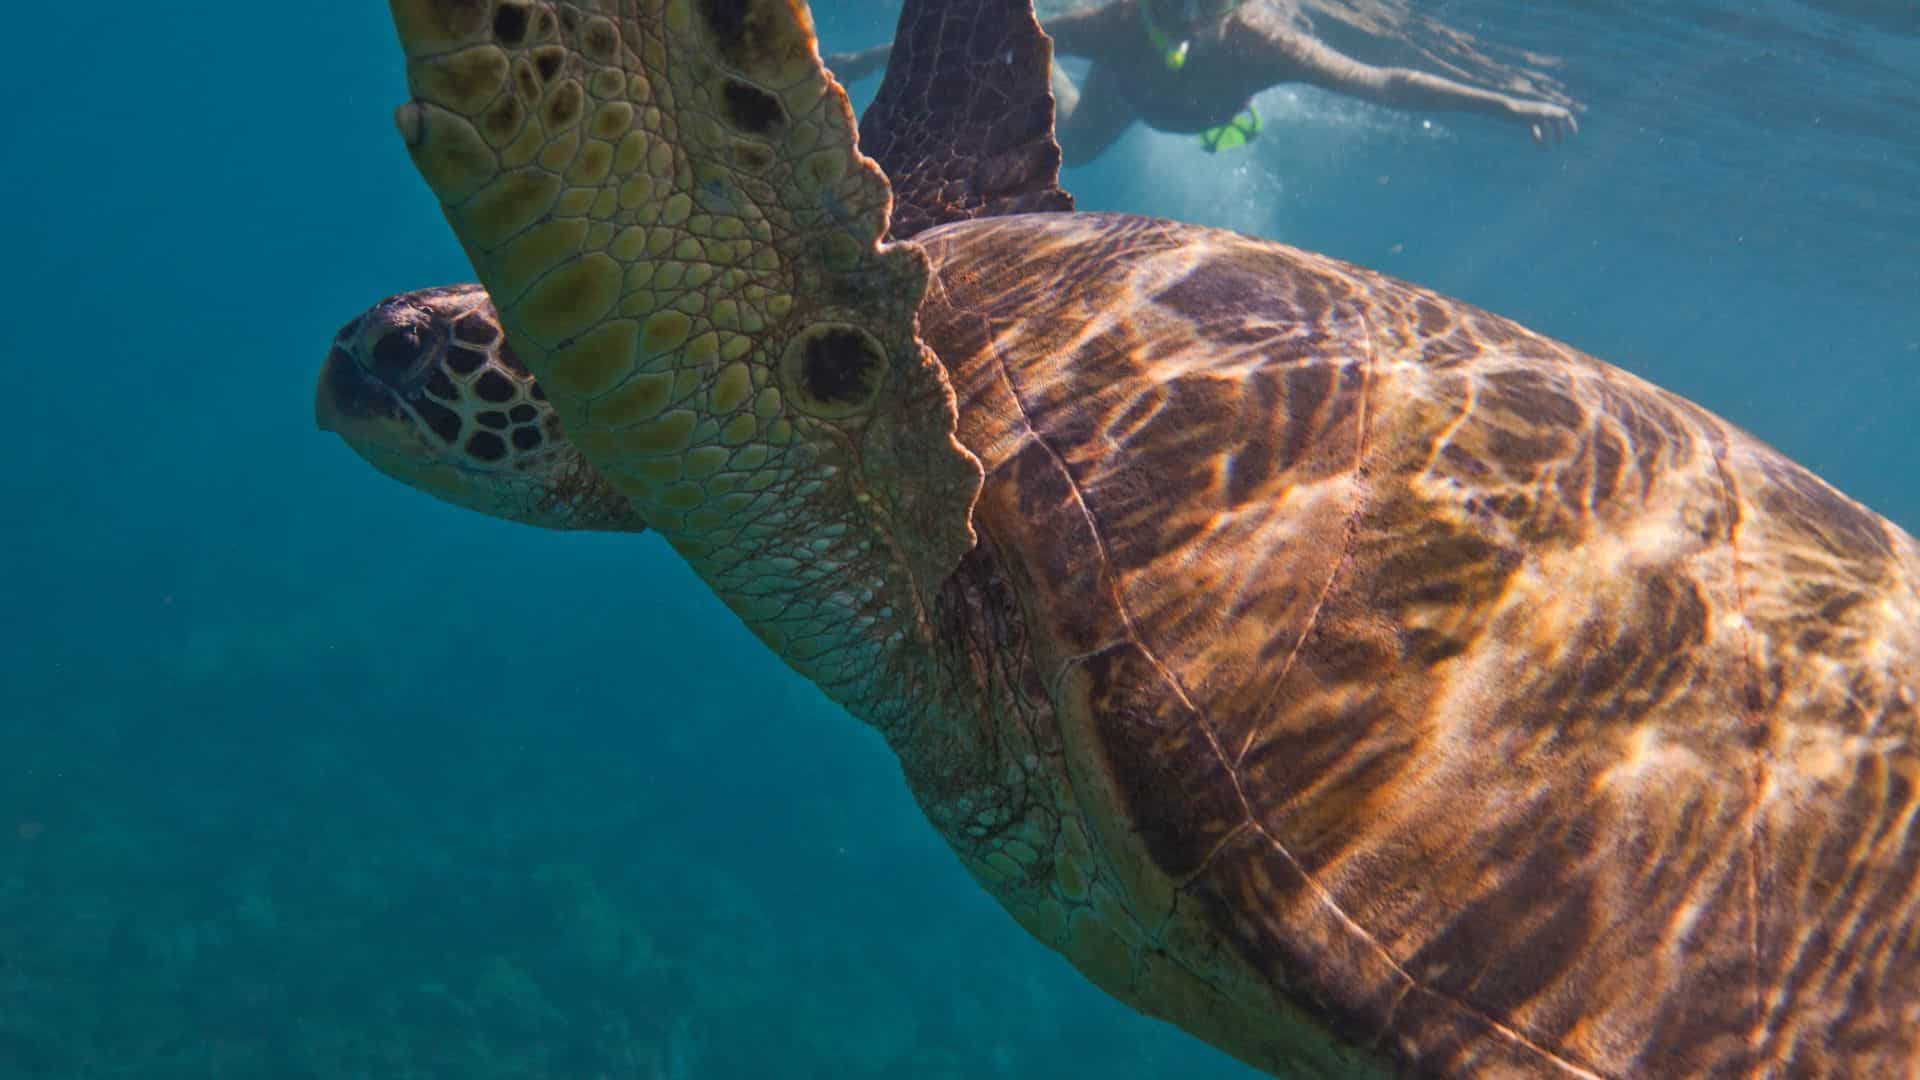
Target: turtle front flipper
665, 201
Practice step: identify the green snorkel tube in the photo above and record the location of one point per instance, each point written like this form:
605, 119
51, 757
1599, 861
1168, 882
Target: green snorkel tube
1239, 131
1174, 55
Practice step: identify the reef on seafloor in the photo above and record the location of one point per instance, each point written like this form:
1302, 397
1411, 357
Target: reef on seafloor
305, 861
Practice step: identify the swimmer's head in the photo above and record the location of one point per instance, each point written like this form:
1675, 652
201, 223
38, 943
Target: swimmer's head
1192, 13
1170, 24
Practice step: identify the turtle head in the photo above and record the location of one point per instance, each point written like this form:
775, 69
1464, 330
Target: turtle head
424, 387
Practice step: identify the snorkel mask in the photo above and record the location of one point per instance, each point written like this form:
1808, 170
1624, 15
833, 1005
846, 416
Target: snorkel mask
1192, 12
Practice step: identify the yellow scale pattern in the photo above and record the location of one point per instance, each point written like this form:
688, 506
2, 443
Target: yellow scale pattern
573, 202
663, 199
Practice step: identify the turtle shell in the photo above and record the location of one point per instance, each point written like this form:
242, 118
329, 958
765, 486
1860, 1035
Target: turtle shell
1431, 696
1347, 675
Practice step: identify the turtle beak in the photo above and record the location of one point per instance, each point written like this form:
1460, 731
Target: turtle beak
323, 401
325, 412
350, 402
344, 393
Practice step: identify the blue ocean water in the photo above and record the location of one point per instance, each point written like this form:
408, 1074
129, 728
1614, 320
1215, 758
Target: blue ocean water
304, 775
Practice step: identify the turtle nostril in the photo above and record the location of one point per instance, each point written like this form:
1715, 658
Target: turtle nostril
394, 355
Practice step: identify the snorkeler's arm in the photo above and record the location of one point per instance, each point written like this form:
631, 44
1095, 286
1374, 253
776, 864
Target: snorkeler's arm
1095, 32
1305, 59
850, 67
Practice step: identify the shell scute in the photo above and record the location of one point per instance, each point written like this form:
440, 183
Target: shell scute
1560, 709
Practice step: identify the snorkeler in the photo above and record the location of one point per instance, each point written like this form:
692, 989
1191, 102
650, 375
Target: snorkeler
1193, 66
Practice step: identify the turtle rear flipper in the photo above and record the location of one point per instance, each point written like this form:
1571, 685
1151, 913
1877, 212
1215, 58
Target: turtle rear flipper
963, 121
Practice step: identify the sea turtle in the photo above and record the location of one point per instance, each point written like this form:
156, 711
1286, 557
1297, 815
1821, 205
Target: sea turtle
1352, 677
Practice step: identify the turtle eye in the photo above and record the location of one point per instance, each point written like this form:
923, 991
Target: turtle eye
395, 355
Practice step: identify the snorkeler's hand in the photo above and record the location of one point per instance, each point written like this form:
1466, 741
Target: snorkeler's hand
1549, 123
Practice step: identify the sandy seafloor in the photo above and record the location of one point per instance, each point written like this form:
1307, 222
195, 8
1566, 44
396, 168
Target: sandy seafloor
303, 775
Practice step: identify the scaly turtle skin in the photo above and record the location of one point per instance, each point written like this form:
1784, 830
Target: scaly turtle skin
1347, 675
